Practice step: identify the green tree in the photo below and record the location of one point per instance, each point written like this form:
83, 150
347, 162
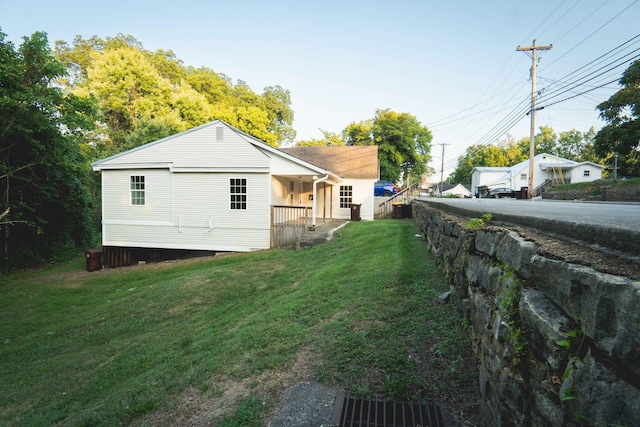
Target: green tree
168, 65
191, 106
217, 88
277, 102
136, 87
78, 58
578, 146
128, 88
545, 141
479, 155
360, 133
505, 153
331, 139
403, 145
621, 112
43, 177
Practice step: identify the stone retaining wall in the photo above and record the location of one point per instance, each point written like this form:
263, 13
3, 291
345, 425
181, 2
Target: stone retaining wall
618, 193
558, 344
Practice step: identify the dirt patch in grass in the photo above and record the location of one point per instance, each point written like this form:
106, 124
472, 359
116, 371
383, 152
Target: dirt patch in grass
207, 407
459, 396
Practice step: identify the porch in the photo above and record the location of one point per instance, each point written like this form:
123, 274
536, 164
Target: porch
292, 224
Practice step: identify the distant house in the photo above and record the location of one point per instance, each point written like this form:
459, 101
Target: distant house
548, 170
448, 190
215, 188
455, 190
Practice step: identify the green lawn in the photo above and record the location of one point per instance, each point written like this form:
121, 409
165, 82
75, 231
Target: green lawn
127, 346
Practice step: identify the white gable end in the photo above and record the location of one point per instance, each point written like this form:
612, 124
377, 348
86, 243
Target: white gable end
197, 148
281, 165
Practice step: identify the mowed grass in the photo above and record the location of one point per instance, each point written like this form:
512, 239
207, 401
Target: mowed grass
119, 346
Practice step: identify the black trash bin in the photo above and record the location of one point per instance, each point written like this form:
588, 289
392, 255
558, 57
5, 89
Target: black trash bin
397, 210
406, 210
93, 257
355, 212
524, 192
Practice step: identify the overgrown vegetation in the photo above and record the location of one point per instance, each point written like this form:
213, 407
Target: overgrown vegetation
46, 205
508, 300
587, 186
130, 346
477, 223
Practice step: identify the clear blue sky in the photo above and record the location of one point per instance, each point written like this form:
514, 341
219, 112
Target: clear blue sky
452, 64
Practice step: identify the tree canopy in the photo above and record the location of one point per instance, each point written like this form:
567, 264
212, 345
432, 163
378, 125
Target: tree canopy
403, 143
143, 94
622, 133
44, 179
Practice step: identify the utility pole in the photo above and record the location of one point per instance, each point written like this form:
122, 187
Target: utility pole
533, 49
442, 171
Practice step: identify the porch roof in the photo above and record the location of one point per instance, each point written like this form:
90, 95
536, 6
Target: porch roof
355, 162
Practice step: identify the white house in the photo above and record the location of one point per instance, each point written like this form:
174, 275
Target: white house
215, 188
547, 169
455, 190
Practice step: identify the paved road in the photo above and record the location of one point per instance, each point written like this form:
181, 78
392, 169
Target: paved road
616, 215
611, 225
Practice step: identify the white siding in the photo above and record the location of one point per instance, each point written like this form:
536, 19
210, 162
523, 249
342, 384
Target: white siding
198, 148
117, 197
191, 238
186, 211
280, 194
362, 195
486, 177
283, 166
577, 173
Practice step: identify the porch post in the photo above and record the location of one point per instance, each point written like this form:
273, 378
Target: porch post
315, 199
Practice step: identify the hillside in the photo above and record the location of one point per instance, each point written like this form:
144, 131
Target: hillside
627, 190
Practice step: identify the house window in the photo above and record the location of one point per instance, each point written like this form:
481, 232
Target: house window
523, 176
137, 189
238, 192
587, 173
346, 196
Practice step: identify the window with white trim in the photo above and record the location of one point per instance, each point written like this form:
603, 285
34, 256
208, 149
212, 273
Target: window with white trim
137, 188
523, 176
587, 173
238, 193
346, 196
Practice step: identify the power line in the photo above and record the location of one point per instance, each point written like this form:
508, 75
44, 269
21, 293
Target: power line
581, 22
580, 83
576, 83
593, 33
581, 93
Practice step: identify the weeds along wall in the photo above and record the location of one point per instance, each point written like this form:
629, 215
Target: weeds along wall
558, 344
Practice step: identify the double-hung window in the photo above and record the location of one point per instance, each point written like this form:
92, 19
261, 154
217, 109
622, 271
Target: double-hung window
238, 193
137, 189
346, 196
586, 173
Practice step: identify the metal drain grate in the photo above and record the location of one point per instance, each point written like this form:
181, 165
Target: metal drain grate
352, 412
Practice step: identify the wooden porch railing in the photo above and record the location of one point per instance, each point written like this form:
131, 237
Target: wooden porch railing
288, 223
548, 183
385, 209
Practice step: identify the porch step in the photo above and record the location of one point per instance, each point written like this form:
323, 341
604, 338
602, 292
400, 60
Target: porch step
322, 234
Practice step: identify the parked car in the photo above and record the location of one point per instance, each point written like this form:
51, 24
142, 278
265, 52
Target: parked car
384, 189
498, 193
